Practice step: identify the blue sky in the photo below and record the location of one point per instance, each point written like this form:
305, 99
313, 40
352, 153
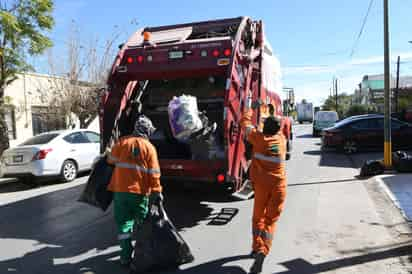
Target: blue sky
312, 39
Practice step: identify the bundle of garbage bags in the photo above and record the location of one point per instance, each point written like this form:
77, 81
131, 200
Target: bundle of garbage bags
401, 162
95, 192
184, 117
158, 243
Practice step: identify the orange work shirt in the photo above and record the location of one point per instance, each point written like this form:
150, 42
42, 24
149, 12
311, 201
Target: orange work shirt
269, 151
137, 167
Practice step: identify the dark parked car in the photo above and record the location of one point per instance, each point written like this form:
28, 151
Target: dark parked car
365, 132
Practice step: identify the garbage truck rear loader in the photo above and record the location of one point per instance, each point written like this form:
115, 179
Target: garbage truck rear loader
218, 62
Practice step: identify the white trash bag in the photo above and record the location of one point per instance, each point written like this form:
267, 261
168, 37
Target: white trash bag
184, 117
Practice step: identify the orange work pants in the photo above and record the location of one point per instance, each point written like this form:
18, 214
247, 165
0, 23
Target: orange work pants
268, 205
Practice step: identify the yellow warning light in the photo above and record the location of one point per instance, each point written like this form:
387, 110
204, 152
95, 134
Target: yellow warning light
146, 36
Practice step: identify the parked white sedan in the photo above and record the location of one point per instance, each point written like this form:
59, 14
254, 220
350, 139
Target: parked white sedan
62, 153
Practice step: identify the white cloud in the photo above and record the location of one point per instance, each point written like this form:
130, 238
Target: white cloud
344, 66
307, 69
317, 92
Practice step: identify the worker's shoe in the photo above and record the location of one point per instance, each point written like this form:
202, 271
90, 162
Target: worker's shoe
258, 264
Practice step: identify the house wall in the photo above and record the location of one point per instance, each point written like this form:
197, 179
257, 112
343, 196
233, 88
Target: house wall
24, 94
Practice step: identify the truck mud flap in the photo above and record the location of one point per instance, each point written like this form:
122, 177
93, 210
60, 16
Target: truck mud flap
245, 193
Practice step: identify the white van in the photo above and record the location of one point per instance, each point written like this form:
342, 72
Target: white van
324, 119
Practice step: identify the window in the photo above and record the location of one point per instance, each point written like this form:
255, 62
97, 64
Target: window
396, 124
362, 124
10, 119
40, 139
92, 137
45, 119
76, 138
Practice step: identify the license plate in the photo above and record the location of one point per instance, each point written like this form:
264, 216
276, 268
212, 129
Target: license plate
175, 54
18, 158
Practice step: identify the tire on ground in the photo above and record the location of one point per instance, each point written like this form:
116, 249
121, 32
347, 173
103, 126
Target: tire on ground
68, 171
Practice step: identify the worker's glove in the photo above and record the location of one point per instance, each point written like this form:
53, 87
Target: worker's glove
156, 197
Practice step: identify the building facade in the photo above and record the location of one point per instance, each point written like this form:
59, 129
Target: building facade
371, 92
27, 106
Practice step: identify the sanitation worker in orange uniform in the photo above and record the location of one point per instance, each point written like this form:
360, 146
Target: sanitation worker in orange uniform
136, 177
267, 173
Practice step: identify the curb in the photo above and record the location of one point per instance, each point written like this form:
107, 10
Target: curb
395, 201
4, 181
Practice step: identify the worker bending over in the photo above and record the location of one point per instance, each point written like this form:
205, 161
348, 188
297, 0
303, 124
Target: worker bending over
135, 177
267, 173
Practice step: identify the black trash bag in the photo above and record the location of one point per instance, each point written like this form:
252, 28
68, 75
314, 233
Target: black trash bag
95, 193
158, 243
402, 161
372, 168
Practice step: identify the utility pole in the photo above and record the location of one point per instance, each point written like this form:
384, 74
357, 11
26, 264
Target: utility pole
336, 94
397, 86
387, 100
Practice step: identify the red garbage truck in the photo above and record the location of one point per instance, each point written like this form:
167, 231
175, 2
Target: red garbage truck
219, 62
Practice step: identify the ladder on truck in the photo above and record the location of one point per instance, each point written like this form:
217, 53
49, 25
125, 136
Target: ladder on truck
254, 57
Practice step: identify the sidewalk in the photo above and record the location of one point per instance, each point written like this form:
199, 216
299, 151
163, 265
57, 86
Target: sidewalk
399, 188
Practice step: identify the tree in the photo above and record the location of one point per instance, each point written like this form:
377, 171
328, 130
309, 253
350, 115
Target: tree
84, 76
357, 109
344, 102
22, 27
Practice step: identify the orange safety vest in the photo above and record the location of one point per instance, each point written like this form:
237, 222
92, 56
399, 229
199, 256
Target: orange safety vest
137, 167
269, 152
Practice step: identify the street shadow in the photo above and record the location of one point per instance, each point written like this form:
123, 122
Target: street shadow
14, 187
313, 152
307, 136
301, 266
215, 267
32, 183
41, 234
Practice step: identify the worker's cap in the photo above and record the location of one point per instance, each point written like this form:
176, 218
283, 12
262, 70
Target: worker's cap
271, 126
143, 126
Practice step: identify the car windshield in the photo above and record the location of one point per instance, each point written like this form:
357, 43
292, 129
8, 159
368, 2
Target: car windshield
326, 116
40, 139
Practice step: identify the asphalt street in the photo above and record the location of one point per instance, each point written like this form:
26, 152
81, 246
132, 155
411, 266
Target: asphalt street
332, 223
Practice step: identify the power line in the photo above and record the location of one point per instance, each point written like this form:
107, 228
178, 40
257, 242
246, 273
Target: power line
365, 19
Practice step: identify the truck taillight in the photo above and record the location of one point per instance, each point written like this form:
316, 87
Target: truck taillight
227, 52
215, 53
41, 154
220, 178
129, 60
140, 59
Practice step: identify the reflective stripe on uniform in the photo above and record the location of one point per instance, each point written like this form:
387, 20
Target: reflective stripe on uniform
124, 236
261, 233
110, 157
272, 159
137, 167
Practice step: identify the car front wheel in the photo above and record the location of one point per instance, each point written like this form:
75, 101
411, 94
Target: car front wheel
69, 171
350, 147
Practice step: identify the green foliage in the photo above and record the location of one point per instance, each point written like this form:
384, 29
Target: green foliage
344, 103
22, 27
357, 109
22, 23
